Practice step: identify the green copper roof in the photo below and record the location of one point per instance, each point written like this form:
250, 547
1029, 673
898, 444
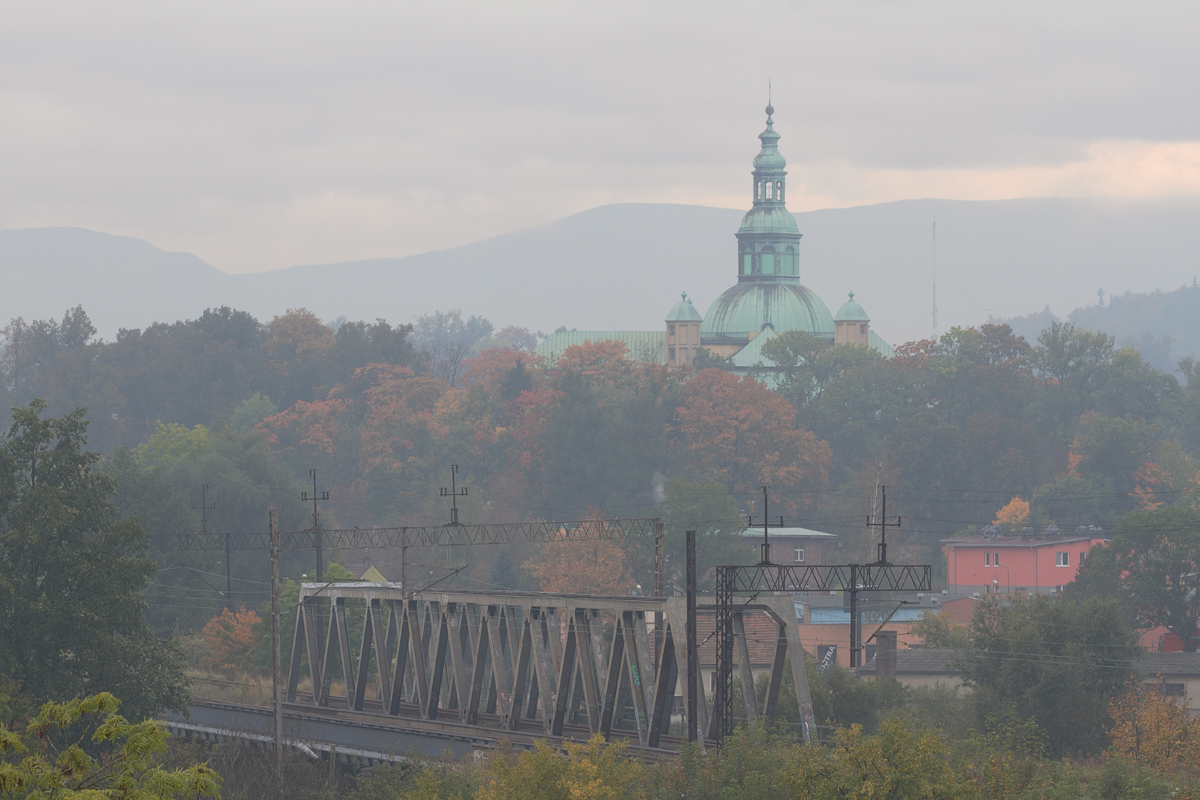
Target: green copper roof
684, 311
768, 158
751, 355
746, 307
879, 345
648, 346
769, 219
851, 312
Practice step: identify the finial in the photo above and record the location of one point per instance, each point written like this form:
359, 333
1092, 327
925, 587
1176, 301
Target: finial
683, 295
770, 108
852, 295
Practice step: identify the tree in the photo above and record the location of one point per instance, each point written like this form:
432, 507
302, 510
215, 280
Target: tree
737, 432
1154, 563
71, 574
1150, 728
580, 567
1054, 659
592, 771
230, 641
1013, 515
706, 507
446, 339
84, 749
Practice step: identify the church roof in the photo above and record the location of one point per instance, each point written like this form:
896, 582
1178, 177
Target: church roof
648, 346
769, 158
684, 311
751, 355
879, 345
851, 312
746, 307
769, 219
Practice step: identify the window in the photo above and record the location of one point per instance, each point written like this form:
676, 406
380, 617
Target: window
671, 330
1082, 558
799, 555
862, 328
672, 353
768, 263
987, 559
1173, 689
1062, 559
996, 558
747, 260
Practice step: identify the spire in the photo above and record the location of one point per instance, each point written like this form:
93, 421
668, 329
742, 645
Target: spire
768, 166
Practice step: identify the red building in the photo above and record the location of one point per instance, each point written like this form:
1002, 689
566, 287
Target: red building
1026, 564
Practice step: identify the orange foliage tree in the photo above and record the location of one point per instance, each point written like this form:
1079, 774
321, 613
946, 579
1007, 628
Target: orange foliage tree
737, 431
1150, 728
580, 567
605, 360
1013, 515
230, 640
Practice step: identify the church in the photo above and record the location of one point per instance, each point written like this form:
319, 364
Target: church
767, 300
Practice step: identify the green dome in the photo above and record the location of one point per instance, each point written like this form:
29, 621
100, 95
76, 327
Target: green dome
747, 307
851, 312
683, 311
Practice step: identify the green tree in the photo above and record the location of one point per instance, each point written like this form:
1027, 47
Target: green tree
71, 574
1153, 560
84, 749
1054, 659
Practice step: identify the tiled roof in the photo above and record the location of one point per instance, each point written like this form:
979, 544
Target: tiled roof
761, 636
1169, 664
925, 661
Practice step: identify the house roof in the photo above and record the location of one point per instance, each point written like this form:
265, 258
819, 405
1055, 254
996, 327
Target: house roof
807, 533
925, 661
1017, 541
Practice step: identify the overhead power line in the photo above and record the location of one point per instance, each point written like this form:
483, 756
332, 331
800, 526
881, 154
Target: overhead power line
430, 536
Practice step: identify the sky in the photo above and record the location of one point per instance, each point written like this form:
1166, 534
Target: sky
259, 135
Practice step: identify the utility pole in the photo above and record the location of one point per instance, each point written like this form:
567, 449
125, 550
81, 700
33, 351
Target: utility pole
203, 507
856, 643
660, 586
765, 547
883, 524
276, 678
454, 493
693, 650
316, 521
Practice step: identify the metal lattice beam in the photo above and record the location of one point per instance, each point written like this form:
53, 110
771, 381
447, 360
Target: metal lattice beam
431, 536
764, 580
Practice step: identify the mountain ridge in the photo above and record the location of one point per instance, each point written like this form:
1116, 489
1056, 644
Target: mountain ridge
622, 266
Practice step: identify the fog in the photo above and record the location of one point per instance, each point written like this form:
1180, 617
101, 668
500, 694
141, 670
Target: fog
263, 135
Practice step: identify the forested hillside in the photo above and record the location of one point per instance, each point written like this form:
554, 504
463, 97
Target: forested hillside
1081, 430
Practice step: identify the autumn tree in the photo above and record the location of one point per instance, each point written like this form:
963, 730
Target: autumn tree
1148, 727
736, 431
1013, 515
229, 640
592, 771
594, 566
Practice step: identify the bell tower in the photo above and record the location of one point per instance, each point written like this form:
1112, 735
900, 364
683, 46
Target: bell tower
768, 241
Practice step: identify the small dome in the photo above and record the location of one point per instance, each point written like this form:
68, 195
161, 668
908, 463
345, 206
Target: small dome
747, 307
684, 311
851, 312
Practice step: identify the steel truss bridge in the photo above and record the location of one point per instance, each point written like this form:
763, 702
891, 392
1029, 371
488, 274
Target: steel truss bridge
519, 663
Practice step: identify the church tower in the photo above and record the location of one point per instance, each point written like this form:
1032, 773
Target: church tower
768, 241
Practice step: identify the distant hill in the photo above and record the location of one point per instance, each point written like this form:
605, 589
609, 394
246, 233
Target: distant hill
1164, 326
623, 266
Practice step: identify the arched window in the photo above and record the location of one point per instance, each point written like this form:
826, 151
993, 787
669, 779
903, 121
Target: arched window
789, 262
747, 263
768, 262
770, 190
779, 190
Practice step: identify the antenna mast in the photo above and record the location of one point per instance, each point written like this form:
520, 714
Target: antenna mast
935, 308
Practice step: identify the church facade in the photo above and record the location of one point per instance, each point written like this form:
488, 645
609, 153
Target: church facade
767, 300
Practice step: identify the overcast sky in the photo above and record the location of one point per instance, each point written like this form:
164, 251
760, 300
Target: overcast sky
261, 135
